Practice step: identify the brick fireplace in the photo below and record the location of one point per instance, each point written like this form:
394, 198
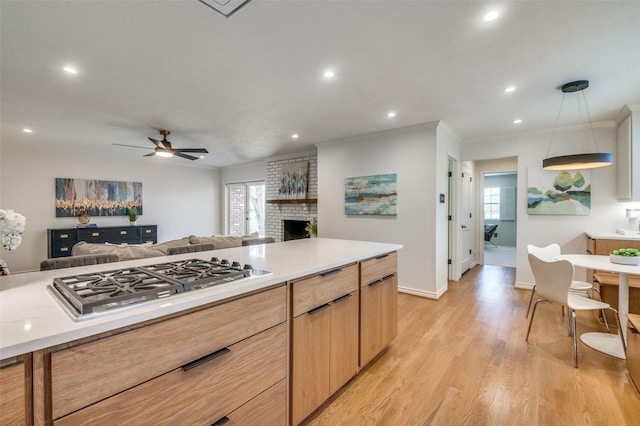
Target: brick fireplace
277, 213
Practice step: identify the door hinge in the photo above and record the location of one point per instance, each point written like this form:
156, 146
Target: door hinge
469, 251
449, 217
471, 179
449, 261
449, 174
470, 215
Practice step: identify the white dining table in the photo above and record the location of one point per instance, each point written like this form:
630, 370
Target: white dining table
606, 342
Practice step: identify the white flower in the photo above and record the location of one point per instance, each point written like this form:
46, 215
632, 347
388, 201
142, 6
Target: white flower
12, 225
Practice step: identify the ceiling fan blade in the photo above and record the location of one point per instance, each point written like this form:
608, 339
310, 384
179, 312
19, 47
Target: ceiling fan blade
150, 155
132, 146
199, 150
188, 157
158, 143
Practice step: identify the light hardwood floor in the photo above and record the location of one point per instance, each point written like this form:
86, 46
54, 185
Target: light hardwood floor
463, 360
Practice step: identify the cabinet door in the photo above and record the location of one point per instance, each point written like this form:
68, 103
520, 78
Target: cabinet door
389, 309
310, 361
13, 408
344, 340
370, 321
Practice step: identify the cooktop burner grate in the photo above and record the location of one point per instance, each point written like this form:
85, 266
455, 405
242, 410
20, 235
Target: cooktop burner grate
85, 294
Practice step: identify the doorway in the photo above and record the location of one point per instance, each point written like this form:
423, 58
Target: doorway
499, 208
245, 208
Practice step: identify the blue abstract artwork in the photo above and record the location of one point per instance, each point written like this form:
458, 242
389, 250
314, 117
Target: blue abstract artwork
96, 197
376, 195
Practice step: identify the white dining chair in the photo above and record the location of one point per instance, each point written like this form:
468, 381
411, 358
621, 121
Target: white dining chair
550, 253
553, 281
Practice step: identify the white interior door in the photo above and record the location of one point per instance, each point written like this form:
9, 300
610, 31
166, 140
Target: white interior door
467, 240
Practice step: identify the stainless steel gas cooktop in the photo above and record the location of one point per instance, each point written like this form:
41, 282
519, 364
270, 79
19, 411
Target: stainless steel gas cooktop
88, 295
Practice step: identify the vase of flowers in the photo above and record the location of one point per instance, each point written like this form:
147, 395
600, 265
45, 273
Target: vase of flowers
312, 228
12, 226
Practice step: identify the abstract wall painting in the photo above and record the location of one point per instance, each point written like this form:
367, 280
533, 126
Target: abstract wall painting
293, 180
558, 192
371, 195
96, 197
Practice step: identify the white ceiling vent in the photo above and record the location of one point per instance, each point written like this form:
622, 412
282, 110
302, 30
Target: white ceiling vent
226, 7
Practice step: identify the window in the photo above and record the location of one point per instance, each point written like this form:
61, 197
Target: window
492, 203
246, 208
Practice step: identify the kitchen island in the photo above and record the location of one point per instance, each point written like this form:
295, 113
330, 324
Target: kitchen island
159, 348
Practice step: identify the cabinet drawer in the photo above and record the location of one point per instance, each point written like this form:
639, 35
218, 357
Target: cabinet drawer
317, 290
147, 231
89, 372
268, 408
13, 397
199, 395
112, 235
377, 268
61, 250
63, 236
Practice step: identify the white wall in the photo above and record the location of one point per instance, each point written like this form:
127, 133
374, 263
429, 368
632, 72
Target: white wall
180, 199
421, 223
568, 231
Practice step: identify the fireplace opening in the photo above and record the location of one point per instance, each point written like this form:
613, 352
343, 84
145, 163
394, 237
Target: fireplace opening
294, 229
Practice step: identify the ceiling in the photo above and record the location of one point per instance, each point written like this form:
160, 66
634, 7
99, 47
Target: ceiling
241, 86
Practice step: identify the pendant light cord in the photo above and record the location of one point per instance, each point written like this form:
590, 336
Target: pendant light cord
555, 127
593, 133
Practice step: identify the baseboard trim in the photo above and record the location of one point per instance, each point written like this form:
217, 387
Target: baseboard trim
523, 286
422, 293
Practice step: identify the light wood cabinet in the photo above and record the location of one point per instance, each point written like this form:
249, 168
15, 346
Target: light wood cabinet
15, 391
628, 155
324, 337
607, 282
378, 305
633, 349
194, 368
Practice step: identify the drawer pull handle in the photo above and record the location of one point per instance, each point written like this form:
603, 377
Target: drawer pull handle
382, 256
319, 308
222, 421
206, 358
388, 277
64, 249
326, 274
634, 330
95, 234
148, 231
64, 235
123, 232
375, 283
341, 298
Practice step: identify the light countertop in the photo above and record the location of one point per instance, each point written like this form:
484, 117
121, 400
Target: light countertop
611, 235
32, 319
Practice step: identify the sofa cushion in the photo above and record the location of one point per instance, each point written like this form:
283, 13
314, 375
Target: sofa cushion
128, 252
222, 241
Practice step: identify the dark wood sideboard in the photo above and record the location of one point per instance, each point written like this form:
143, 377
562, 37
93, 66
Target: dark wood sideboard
60, 241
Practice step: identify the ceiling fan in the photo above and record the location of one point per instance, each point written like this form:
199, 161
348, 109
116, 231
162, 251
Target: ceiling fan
164, 149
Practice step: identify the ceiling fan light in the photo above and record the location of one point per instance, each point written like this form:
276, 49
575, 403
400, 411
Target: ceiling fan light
578, 161
163, 153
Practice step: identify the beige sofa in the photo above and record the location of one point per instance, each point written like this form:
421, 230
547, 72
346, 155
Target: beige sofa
183, 245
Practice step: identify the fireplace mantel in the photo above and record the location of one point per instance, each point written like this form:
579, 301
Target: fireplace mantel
294, 201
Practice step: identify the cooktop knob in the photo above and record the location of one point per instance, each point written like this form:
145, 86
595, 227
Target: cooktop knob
247, 266
215, 260
224, 262
235, 265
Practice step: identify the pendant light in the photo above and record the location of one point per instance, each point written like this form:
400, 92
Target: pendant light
576, 161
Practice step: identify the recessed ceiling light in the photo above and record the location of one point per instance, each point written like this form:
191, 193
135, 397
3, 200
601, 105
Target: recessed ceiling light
517, 121
391, 114
26, 130
70, 70
329, 74
510, 89
491, 16
295, 136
